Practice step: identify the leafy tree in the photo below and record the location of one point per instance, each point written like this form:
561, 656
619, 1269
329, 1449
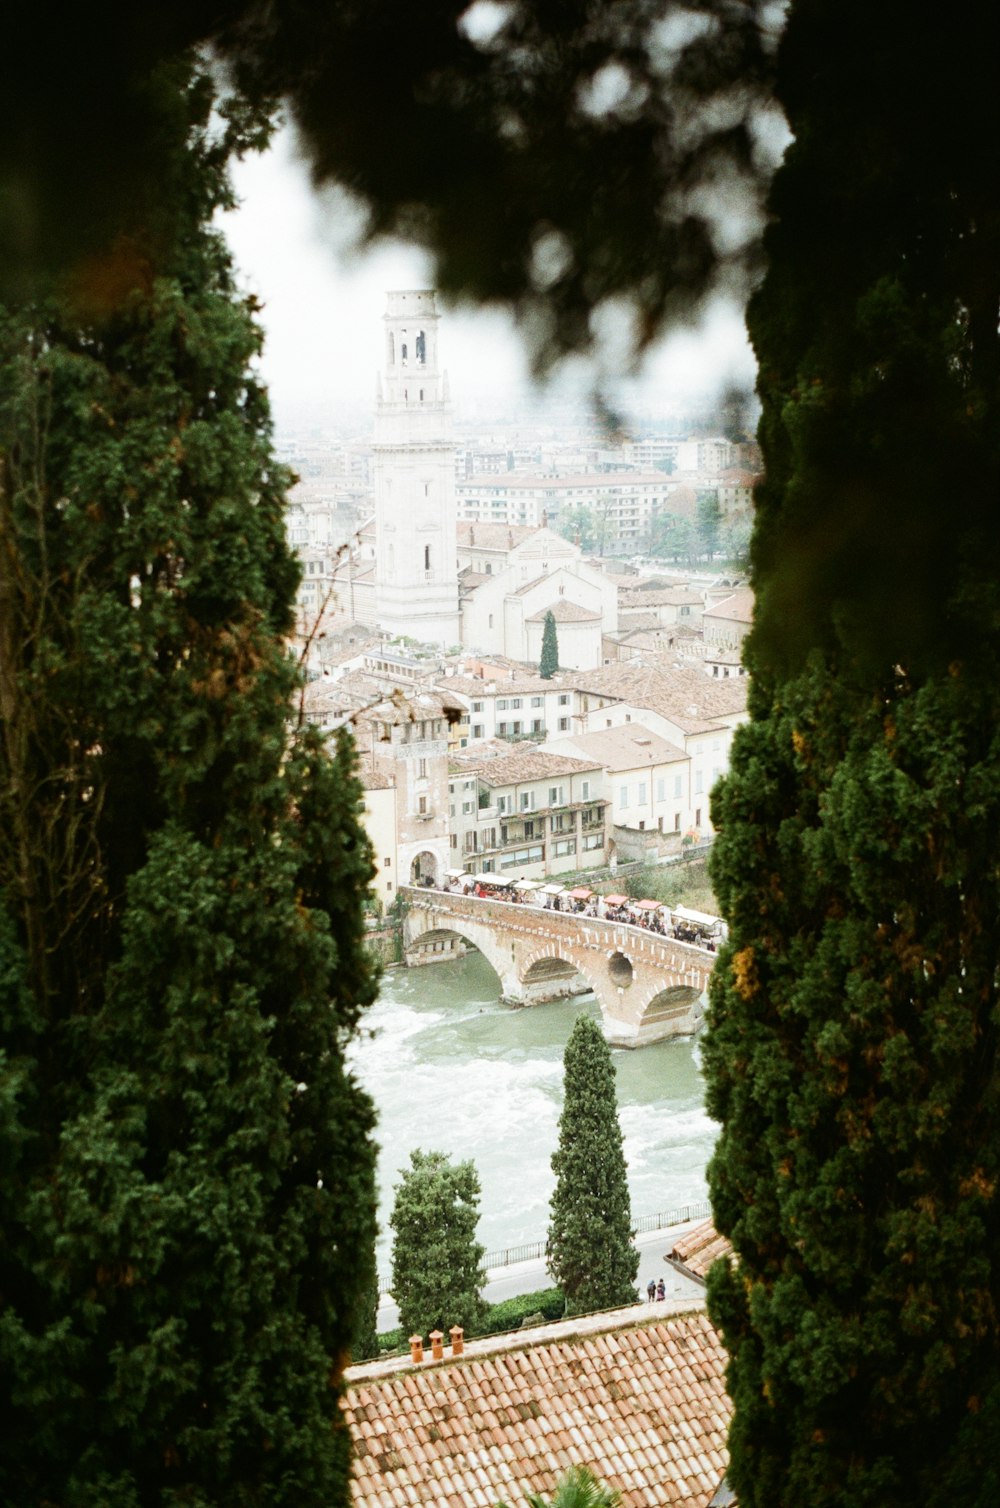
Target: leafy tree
671, 538
852, 1051
577, 524
437, 1263
187, 1186
549, 663
579, 1488
589, 1246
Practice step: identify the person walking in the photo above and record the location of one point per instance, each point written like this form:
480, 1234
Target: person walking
661, 1290
651, 1289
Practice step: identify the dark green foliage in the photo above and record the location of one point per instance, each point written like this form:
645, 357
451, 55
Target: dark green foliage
437, 1263
709, 523
852, 1052
589, 1247
186, 1181
549, 663
533, 183
507, 1315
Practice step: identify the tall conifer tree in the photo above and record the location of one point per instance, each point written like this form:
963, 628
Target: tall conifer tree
589, 1248
437, 1263
549, 662
852, 1051
186, 1197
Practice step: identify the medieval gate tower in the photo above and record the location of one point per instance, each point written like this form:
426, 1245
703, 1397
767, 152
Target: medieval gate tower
416, 565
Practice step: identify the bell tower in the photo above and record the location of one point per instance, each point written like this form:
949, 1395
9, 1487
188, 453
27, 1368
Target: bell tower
416, 562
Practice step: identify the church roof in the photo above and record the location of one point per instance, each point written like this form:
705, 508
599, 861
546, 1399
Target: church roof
472, 536
564, 611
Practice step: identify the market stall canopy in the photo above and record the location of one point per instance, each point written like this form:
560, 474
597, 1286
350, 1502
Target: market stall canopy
581, 893
702, 918
616, 900
491, 879
528, 885
455, 874
552, 889
647, 905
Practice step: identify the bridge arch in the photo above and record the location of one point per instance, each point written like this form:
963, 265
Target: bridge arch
496, 952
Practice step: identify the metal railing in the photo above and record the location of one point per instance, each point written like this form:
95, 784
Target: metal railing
532, 1251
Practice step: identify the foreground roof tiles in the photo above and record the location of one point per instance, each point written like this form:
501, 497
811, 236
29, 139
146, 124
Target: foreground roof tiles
644, 1407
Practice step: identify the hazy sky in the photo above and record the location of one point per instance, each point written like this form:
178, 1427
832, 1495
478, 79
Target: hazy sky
323, 307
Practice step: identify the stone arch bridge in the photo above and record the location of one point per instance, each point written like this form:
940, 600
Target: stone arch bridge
648, 986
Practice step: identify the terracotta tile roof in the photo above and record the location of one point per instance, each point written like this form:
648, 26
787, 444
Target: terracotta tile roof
643, 1404
687, 697
565, 612
491, 536
738, 607
527, 763
698, 1248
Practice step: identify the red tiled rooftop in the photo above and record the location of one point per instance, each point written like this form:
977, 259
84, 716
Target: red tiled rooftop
643, 1406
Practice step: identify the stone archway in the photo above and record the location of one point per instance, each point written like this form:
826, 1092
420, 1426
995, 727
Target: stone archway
423, 868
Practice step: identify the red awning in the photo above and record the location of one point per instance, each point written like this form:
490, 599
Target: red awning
616, 900
648, 905
581, 893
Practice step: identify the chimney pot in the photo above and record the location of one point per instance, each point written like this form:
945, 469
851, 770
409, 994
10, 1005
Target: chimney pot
416, 1348
457, 1340
437, 1349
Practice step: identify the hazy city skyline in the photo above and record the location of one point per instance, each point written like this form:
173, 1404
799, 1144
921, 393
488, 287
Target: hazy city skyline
322, 309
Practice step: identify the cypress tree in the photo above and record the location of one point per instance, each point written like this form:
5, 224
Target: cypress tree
549, 663
852, 1049
589, 1246
437, 1263
186, 1196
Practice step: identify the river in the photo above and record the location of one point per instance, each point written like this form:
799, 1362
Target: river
453, 1070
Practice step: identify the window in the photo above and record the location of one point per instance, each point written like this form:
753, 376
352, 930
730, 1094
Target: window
503, 804
564, 700
593, 840
536, 725
388, 886
477, 730
501, 730
502, 701
467, 807
641, 798
555, 795
677, 786
585, 790
699, 782
623, 795
387, 863
529, 829
677, 822
470, 842
564, 725
661, 790
421, 769
491, 620
563, 847
454, 840
477, 706
451, 810
537, 701
527, 801
422, 805
697, 817
515, 703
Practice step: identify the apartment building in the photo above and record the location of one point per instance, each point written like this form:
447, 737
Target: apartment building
527, 812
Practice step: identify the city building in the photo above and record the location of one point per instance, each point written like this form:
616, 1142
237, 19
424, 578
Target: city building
526, 812
416, 575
